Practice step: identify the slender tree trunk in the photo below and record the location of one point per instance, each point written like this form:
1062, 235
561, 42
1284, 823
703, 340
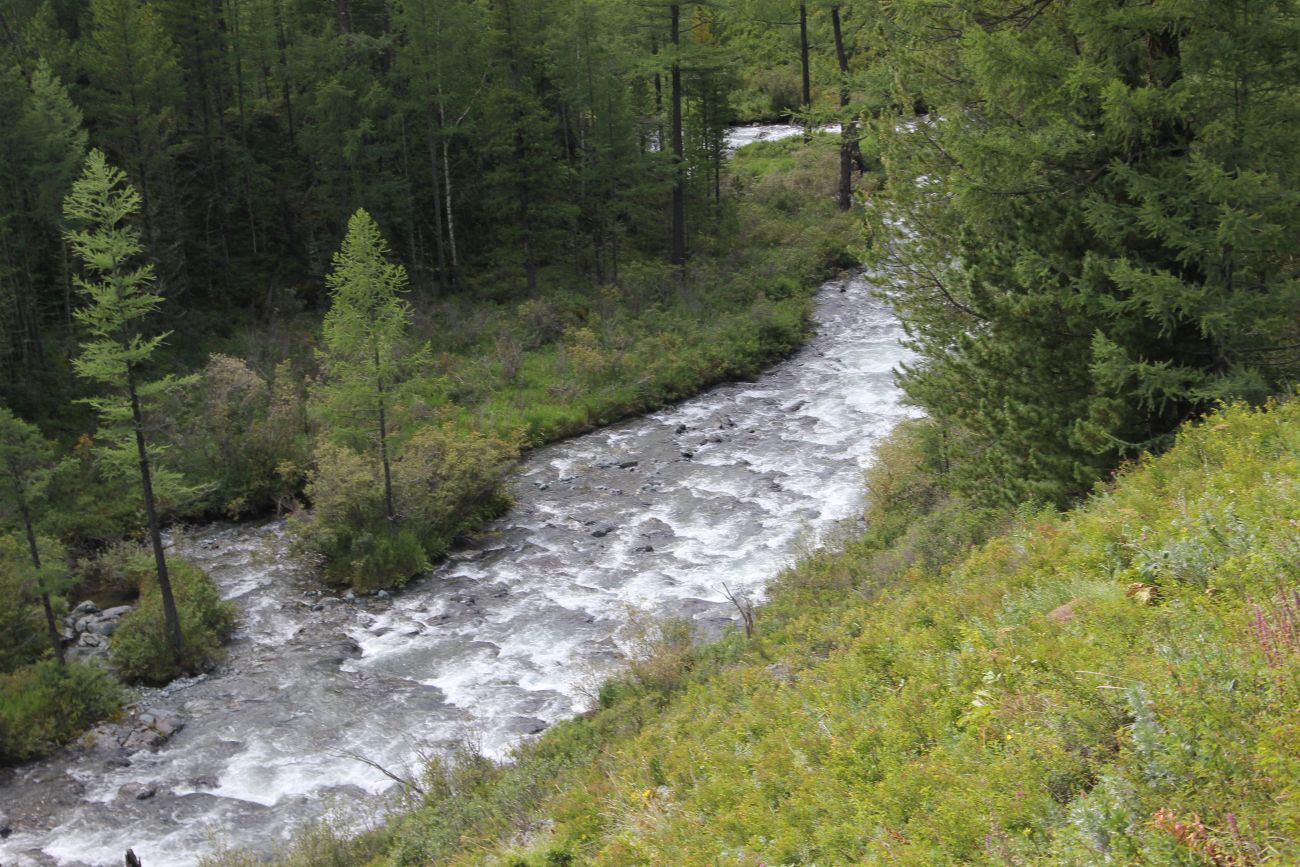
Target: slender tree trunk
389, 509
431, 132
155, 533
343, 12
282, 46
451, 223
803, 62
848, 129
659, 99
678, 257
50, 624
521, 184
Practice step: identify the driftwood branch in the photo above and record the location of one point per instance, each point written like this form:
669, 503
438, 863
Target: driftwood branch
744, 606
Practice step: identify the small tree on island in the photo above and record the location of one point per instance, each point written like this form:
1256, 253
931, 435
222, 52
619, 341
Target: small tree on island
119, 293
364, 332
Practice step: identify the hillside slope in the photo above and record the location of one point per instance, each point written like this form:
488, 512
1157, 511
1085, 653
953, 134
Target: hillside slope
1113, 685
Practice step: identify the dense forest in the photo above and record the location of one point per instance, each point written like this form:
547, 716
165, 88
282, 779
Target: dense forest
347, 260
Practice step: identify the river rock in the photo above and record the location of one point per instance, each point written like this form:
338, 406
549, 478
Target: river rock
603, 531
104, 627
143, 739
119, 611
84, 608
5, 827
137, 792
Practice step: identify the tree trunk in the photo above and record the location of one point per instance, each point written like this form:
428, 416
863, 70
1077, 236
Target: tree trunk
440, 245
678, 256
803, 62
155, 533
848, 129
51, 625
343, 11
451, 223
390, 511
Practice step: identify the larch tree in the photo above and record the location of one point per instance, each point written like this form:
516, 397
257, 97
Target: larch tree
364, 333
119, 297
24, 461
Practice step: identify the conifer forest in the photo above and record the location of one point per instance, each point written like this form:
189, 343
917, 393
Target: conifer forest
629, 432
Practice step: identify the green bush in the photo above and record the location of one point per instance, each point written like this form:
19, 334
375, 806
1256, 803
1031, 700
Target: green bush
23, 636
141, 649
43, 706
446, 481
240, 435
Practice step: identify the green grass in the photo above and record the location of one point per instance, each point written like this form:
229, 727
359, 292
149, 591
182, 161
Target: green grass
579, 357
1112, 685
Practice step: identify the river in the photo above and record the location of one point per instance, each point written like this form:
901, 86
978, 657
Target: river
509, 635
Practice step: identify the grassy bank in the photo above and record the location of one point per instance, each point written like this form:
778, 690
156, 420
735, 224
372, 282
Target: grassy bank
1116, 684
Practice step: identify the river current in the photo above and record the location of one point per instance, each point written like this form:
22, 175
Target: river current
509, 635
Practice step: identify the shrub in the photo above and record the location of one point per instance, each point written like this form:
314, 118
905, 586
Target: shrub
449, 481
141, 649
43, 706
446, 482
242, 435
22, 621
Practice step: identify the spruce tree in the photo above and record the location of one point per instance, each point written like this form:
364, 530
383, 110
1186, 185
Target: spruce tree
1091, 234
119, 296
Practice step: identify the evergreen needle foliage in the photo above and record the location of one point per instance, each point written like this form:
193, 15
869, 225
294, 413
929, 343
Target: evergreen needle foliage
119, 295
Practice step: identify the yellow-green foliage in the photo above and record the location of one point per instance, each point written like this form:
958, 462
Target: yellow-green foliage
140, 647
1113, 685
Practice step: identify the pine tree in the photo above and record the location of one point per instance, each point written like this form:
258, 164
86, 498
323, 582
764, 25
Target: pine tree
119, 296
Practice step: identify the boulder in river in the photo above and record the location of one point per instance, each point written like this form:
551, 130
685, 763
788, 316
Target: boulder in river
137, 792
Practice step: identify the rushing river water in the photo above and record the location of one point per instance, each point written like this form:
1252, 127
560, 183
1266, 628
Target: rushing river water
506, 637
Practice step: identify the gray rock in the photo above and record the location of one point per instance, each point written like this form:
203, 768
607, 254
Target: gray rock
103, 627
383, 594
90, 639
627, 465
118, 611
84, 608
349, 594
5, 827
137, 792
167, 725
143, 739
603, 531
681, 429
